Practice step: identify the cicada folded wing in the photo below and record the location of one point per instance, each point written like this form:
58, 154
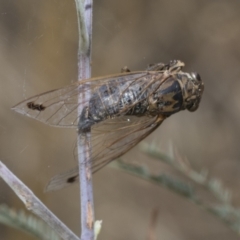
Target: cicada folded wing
57, 107
110, 139
62, 107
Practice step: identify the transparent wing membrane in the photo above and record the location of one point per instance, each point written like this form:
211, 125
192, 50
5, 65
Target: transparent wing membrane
109, 140
61, 107
111, 137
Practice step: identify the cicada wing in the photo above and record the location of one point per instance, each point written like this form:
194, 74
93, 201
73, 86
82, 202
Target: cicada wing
62, 180
110, 139
57, 107
114, 137
61, 107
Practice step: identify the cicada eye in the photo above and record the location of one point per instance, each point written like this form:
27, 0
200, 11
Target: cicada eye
197, 76
193, 106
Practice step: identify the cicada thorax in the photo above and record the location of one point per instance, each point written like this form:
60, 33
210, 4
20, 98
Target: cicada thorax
168, 99
180, 91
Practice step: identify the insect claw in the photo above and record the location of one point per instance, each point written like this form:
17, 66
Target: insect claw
125, 69
172, 66
156, 67
175, 65
85, 122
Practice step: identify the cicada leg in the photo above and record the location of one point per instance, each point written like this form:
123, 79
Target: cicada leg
125, 70
175, 66
157, 67
85, 122
172, 66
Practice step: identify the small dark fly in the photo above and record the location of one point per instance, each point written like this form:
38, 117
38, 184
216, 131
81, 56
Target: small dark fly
119, 110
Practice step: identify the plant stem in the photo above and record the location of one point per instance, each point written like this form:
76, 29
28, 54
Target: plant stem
33, 204
84, 13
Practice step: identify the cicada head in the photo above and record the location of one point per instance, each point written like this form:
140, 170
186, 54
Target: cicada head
192, 88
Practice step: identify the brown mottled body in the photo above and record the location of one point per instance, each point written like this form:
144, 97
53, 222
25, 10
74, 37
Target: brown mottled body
120, 110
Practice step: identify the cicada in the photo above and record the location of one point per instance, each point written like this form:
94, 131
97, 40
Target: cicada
119, 110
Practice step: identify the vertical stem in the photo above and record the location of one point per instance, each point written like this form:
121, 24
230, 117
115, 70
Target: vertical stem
84, 13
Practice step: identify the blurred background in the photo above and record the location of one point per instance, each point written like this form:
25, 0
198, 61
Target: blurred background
38, 52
